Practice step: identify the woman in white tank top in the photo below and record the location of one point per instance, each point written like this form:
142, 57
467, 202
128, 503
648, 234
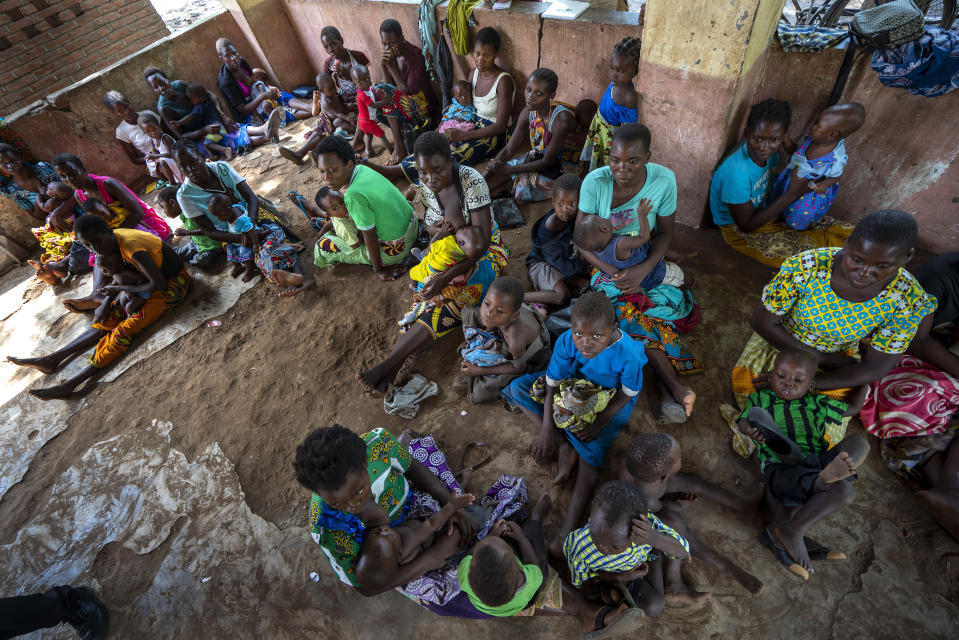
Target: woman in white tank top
493, 109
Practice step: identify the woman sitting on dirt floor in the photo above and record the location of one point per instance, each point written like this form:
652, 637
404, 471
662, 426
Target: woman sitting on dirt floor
236, 84
134, 140
129, 212
446, 188
620, 193
739, 194
203, 180
382, 215
829, 301
165, 279
545, 122
493, 98
367, 488
26, 183
912, 409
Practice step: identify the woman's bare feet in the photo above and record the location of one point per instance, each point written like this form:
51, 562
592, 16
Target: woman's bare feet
567, 462
58, 392
79, 305
291, 155
372, 384
394, 158
841, 467
687, 398
40, 364
369, 149
293, 282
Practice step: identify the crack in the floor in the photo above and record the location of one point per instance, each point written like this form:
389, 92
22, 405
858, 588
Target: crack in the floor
861, 561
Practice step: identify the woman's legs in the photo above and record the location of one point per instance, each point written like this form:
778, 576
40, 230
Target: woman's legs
379, 376
398, 152
91, 301
51, 362
942, 499
296, 155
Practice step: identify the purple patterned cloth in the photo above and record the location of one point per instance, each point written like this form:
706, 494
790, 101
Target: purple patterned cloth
507, 496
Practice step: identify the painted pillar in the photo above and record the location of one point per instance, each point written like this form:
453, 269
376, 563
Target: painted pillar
274, 40
695, 55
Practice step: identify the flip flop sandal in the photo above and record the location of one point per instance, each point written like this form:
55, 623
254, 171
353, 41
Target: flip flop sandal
766, 540
509, 406
624, 624
298, 200
669, 412
819, 551
787, 450
483, 460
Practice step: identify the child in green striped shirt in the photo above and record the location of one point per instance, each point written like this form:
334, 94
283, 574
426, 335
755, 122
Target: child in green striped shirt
806, 479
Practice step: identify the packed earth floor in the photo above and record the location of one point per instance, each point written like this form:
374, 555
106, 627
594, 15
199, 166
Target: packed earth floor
171, 489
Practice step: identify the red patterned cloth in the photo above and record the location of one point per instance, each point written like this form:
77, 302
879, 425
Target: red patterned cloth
914, 399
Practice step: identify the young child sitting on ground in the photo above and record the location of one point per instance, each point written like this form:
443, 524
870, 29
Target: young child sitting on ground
461, 114
619, 105
333, 116
820, 160
611, 254
615, 548
240, 253
594, 349
260, 86
653, 464
552, 260
160, 163
204, 114
332, 203
367, 106
200, 250
402, 543
121, 273
802, 472
504, 339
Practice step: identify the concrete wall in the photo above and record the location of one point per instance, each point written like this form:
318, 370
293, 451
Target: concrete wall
47, 44
87, 129
905, 155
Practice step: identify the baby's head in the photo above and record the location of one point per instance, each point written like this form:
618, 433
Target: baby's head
593, 321
221, 207
196, 92
566, 196
388, 540
624, 61
592, 233
585, 112
109, 263
792, 374
653, 457
150, 125
331, 202
463, 92
837, 122
59, 191
470, 240
614, 507
95, 207
361, 77
501, 304
166, 200
494, 574
259, 75
326, 84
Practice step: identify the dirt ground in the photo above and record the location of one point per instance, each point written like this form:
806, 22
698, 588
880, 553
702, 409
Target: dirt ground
235, 400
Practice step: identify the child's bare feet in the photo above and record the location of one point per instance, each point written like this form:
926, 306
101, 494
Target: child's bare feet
794, 545
542, 506
228, 153
249, 271
841, 467
567, 462
369, 149
44, 273
687, 398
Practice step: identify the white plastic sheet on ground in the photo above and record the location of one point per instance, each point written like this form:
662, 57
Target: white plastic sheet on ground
35, 322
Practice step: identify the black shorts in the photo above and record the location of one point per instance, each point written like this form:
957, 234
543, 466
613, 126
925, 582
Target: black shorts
792, 484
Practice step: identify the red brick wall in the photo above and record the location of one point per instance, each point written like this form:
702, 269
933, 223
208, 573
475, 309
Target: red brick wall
46, 45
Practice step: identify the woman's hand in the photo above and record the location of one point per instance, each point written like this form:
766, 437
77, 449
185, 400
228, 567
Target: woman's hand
466, 526
495, 166
211, 129
181, 232
453, 135
110, 290
433, 288
59, 220
631, 280
102, 312
387, 274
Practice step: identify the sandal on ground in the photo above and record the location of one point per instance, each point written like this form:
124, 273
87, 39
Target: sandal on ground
298, 200
819, 551
766, 540
670, 413
624, 625
483, 459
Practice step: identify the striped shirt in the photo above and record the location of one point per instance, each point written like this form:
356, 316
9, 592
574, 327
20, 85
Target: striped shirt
586, 561
802, 420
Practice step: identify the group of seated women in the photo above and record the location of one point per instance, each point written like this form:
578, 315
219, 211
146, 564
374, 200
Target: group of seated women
842, 329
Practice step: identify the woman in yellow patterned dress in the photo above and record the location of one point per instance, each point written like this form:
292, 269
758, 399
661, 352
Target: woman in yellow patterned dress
855, 308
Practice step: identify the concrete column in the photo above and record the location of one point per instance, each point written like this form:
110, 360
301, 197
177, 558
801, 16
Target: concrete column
274, 40
695, 56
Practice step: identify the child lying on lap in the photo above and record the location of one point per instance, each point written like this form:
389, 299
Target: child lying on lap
611, 254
